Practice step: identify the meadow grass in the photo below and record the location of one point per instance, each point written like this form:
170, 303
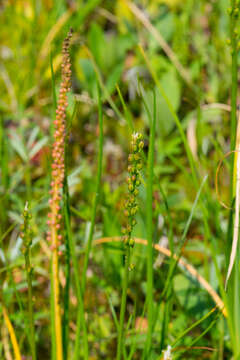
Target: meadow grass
156, 291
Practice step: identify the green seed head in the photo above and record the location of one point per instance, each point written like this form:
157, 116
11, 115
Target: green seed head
138, 183
130, 157
136, 192
139, 166
130, 187
131, 242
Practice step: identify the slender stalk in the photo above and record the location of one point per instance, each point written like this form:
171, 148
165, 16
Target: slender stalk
67, 227
4, 175
123, 304
127, 113
150, 167
97, 192
233, 286
30, 303
66, 214
234, 86
54, 98
81, 287
53, 334
28, 180
13, 338
26, 235
80, 306
131, 208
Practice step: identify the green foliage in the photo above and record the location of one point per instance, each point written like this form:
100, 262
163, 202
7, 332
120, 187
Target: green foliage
127, 88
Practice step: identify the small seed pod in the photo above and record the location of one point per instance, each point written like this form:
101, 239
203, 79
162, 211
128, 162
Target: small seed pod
133, 181
131, 242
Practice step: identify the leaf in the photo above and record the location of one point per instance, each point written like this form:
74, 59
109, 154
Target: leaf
114, 78
18, 146
171, 85
38, 146
73, 178
97, 44
87, 75
190, 296
33, 137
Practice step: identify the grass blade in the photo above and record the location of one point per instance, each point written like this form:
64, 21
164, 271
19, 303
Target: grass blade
97, 192
150, 166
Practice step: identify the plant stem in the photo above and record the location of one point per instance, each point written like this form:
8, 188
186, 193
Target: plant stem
150, 166
66, 214
53, 335
57, 309
26, 235
30, 303
81, 286
234, 70
97, 192
28, 180
233, 286
80, 306
130, 210
123, 304
11, 331
4, 175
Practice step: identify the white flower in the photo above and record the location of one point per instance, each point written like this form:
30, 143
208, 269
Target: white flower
167, 353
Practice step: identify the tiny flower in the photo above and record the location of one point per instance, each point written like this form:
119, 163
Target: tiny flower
58, 149
167, 353
133, 181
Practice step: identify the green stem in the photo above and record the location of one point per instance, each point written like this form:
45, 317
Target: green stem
30, 304
28, 180
98, 186
123, 305
4, 176
81, 287
234, 86
127, 113
67, 222
80, 305
150, 167
233, 287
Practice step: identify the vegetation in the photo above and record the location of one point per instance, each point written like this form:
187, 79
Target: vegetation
94, 93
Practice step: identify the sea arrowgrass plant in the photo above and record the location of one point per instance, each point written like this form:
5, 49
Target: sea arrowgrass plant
26, 235
54, 235
131, 208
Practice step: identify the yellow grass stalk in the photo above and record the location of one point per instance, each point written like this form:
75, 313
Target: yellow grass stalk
12, 335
